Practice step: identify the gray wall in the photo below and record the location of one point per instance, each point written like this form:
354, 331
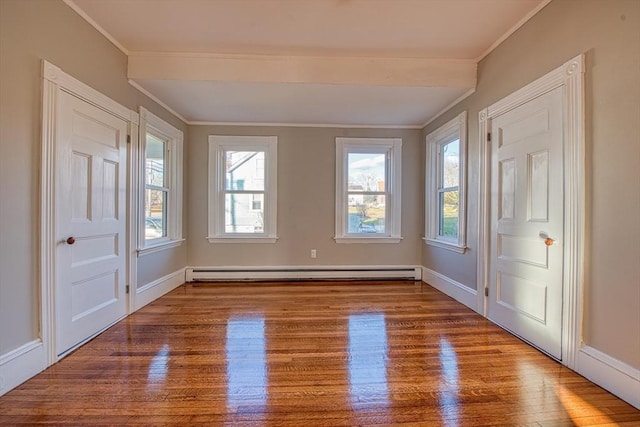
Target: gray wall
32, 30
609, 33
306, 201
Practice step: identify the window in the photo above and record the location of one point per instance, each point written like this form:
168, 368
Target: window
161, 183
242, 189
368, 195
445, 185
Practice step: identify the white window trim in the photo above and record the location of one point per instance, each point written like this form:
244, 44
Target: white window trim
217, 145
393, 147
174, 137
454, 129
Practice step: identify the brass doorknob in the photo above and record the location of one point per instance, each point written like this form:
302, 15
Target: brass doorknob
548, 241
70, 241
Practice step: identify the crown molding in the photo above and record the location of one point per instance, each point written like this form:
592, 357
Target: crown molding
95, 25
513, 29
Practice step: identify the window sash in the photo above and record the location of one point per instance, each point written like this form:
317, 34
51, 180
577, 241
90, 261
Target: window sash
165, 218
262, 172
156, 130
156, 187
386, 153
440, 202
440, 228
370, 233
164, 189
390, 148
223, 174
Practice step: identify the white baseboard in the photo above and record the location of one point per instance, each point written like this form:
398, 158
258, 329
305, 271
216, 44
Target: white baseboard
455, 290
20, 364
324, 272
154, 290
609, 373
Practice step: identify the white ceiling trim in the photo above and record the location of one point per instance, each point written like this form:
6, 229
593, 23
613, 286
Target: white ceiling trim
367, 71
305, 125
513, 29
95, 25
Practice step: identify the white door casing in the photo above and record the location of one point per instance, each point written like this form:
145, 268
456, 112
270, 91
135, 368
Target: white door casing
525, 284
90, 198
570, 78
100, 252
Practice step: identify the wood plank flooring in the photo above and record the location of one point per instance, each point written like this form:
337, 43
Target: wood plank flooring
310, 354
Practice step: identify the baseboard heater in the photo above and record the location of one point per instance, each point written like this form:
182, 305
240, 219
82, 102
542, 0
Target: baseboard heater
216, 274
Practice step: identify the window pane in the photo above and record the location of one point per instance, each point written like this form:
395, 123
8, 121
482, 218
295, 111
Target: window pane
451, 164
366, 171
366, 214
448, 206
244, 170
244, 213
154, 161
155, 209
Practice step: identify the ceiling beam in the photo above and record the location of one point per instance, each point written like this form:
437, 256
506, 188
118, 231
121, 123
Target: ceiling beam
368, 71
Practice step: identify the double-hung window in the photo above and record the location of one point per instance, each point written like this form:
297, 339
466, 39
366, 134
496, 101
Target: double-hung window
368, 195
242, 189
161, 183
445, 185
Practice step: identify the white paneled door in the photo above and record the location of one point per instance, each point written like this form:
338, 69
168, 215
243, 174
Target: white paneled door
526, 261
90, 203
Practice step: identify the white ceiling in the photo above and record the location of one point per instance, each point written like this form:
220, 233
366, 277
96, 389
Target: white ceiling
317, 62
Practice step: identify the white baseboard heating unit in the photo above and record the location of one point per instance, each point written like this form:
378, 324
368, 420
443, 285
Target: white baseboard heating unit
213, 274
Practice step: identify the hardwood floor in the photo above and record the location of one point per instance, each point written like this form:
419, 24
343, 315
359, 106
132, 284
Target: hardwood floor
304, 354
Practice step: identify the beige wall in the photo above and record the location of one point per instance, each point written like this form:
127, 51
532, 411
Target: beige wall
609, 33
32, 30
306, 200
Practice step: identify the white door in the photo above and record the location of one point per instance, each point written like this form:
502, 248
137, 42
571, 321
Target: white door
90, 203
526, 262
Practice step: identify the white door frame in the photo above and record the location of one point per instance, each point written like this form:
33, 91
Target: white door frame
569, 76
54, 81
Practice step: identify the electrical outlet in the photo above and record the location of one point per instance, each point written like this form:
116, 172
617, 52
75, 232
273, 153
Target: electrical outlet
314, 253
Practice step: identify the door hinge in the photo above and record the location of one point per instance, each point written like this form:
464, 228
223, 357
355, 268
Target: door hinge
489, 136
126, 288
128, 139
486, 292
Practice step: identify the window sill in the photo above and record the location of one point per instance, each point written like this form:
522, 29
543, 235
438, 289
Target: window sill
367, 240
242, 239
159, 246
450, 246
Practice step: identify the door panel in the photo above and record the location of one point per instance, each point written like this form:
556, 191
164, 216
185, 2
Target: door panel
90, 207
525, 289
538, 170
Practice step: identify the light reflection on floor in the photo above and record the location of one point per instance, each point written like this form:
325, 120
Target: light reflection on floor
158, 367
577, 408
368, 354
246, 362
449, 384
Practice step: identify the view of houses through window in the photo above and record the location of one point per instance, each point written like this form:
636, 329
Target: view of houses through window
244, 191
243, 188
366, 174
